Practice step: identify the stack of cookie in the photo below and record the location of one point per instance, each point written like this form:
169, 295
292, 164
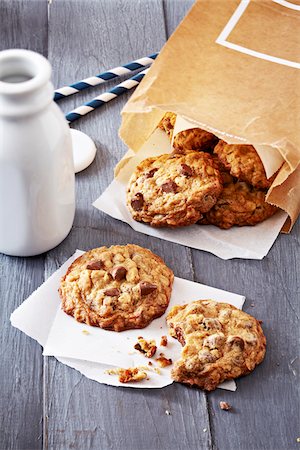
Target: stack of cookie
203, 181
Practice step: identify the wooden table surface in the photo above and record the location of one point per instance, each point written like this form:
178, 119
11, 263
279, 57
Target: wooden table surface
46, 404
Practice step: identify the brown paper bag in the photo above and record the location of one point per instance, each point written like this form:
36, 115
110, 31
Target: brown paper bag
233, 67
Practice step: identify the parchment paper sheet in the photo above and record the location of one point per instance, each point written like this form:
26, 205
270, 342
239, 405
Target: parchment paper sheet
243, 242
41, 318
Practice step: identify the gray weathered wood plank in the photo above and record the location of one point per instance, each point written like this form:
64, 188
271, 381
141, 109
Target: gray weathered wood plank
81, 413
84, 41
265, 411
85, 38
175, 11
265, 407
23, 24
21, 368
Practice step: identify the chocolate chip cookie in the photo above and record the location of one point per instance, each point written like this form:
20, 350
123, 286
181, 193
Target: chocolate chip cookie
194, 139
117, 288
220, 342
243, 163
239, 204
174, 190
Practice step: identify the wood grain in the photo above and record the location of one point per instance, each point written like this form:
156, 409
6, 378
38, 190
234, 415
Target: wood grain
55, 406
21, 406
23, 24
264, 401
80, 413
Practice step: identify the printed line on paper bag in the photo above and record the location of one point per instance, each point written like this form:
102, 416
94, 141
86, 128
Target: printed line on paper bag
222, 39
287, 4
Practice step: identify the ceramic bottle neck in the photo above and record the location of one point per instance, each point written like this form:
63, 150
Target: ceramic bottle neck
25, 88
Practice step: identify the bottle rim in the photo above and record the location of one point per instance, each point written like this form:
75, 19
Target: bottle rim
33, 70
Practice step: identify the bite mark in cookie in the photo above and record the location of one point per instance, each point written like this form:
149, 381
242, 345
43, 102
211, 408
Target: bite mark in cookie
218, 343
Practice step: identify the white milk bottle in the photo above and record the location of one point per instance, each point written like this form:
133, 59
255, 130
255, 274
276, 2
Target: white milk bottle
37, 196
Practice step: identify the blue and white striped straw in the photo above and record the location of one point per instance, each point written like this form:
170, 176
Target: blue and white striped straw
106, 97
103, 77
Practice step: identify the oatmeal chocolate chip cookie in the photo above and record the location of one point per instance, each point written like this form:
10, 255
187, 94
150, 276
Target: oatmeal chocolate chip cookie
243, 163
194, 139
173, 190
117, 288
220, 342
167, 124
239, 204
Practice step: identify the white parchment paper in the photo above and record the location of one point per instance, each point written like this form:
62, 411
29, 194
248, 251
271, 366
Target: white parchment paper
94, 351
237, 242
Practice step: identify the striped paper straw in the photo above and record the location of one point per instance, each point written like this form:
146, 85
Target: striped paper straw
103, 77
102, 99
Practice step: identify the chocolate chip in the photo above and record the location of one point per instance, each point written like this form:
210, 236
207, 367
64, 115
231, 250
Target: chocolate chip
95, 265
137, 202
209, 198
112, 292
151, 173
169, 186
147, 288
118, 273
186, 170
139, 348
236, 341
180, 336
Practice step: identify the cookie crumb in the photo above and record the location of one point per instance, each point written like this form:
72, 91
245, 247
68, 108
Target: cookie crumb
149, 363
156, 370
112, 371
167, 412
131, 374
163, 361
164, 341
225, 406
204, 430
85, 332
148, 348
252, 305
